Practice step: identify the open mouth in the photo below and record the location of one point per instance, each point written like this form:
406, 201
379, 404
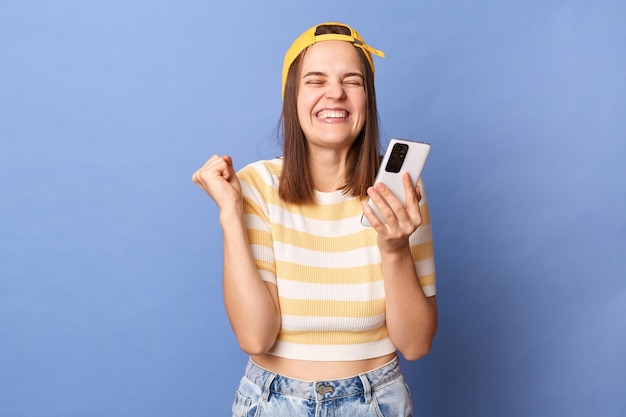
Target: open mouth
332, 114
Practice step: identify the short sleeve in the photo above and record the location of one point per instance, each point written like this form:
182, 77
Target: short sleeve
255, 185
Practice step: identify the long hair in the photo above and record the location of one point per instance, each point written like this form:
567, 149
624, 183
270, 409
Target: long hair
296, 183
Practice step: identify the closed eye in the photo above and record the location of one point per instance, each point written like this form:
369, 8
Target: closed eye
314, 78
353, 79
354, 83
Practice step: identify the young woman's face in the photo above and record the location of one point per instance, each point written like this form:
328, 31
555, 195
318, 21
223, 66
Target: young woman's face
331, 98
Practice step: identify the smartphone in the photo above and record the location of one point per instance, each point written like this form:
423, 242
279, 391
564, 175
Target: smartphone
401, 155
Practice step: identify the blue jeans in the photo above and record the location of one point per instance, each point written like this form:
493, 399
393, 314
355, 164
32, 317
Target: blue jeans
381, 392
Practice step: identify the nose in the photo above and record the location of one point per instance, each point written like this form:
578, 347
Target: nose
335, 90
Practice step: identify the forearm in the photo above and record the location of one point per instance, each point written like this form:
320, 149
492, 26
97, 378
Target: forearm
251, 307
411, 316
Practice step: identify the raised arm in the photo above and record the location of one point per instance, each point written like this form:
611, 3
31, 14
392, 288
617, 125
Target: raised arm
251, 303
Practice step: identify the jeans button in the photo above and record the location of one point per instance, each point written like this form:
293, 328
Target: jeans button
324, 389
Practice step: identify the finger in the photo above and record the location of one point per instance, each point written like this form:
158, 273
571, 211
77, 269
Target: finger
413, 196
410, 195
395, 208
371, 216
210, 161
402, 217
230, 169
380, 195
196, 176
214, 166
418, 191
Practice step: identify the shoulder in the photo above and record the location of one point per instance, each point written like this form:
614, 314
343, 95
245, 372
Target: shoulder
259, 180
265, 170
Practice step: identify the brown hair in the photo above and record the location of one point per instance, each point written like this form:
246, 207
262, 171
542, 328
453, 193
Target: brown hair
296, 183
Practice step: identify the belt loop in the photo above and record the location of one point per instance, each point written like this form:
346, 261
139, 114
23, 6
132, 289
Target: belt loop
367, 389
266, 386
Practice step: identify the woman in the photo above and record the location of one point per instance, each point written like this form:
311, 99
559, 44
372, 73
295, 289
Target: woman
321, 303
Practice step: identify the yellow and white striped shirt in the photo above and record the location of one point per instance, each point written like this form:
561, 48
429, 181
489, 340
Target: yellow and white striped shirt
327, 268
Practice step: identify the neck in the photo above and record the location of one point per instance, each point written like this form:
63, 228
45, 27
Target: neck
328, 171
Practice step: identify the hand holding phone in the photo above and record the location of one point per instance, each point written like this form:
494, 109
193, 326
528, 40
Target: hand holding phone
401, 155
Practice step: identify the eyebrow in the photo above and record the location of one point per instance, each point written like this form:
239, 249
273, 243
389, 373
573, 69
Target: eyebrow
322, 74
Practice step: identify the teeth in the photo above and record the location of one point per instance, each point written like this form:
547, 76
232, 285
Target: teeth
332, 114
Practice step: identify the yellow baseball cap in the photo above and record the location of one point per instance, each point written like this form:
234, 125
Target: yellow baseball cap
309, 38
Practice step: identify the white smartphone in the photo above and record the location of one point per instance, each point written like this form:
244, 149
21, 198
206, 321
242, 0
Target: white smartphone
401, 155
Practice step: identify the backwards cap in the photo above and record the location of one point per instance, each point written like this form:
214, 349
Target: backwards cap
309, 38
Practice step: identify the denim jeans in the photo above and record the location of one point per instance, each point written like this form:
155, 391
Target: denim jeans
381, 392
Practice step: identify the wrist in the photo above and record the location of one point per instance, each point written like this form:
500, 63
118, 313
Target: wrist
231, 214
394, 248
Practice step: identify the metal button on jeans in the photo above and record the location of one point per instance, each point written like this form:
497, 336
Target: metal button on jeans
324, 389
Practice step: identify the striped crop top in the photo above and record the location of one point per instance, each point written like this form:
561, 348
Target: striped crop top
327, 268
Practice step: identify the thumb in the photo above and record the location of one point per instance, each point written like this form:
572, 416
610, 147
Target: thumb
230, 170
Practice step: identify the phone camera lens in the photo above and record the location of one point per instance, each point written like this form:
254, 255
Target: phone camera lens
396, 159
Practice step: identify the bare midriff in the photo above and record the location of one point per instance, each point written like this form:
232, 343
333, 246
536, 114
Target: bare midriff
319, 370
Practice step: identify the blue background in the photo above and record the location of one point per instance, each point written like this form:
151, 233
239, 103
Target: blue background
110, 257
